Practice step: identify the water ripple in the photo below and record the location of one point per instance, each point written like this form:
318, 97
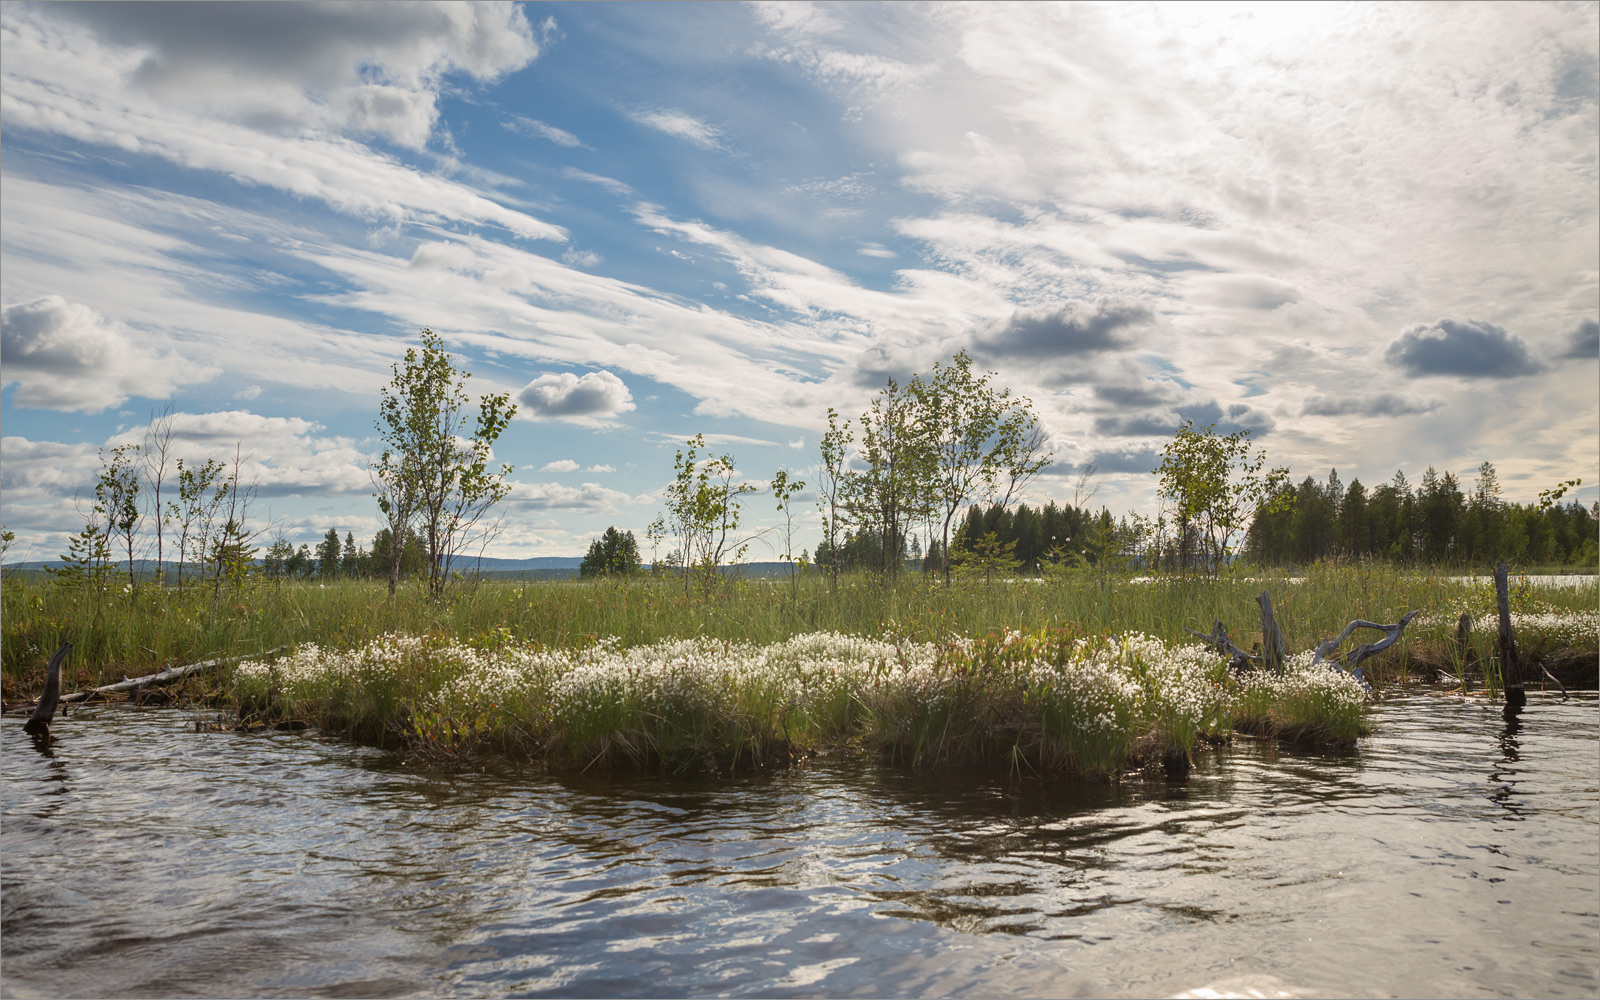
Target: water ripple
1454, 854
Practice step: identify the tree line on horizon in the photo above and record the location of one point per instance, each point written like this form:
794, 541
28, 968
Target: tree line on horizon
1435, 523
932, 476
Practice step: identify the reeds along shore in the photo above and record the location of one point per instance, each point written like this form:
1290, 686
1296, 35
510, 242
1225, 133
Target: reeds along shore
1046, 702
924, 672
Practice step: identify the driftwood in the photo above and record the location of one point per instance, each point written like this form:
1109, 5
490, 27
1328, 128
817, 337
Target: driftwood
38, 723
1238, 659
1272, 644
1510, 653
162, 677
1271, 655
1464, 647
1366, 649
1350, 662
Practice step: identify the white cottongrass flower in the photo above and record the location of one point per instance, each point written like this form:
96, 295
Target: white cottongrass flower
1089, 699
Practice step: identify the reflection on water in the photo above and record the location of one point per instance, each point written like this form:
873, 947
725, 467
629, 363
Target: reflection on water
1453, 854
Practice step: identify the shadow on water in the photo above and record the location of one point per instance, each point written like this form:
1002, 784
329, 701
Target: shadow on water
143, 858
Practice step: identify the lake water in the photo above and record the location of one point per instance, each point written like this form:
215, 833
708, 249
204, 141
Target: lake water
1451, 855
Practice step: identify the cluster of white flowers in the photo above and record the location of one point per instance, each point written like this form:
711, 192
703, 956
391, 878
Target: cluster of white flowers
1105, 688
1182, 680
1550, 626
1306, 682
1093, 688
1574, 629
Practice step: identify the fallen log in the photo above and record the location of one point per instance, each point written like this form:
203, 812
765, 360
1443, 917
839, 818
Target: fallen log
164, 676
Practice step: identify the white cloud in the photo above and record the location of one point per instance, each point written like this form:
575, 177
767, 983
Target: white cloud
145, 258
354, 68
598, 395
45, 470
589, 497
581, 258
523, 125
65, 356
560, 465
602, 468
609, 183
680, 126
280, 456
146, 92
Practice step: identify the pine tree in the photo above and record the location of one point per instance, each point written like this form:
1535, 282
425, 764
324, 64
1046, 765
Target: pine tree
328, 552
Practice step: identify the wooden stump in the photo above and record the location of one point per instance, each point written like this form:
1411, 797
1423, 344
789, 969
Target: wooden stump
1510, 668
1464, 646
1271, 635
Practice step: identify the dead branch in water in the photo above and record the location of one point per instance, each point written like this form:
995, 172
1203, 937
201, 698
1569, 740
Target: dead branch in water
151, 680
38, 723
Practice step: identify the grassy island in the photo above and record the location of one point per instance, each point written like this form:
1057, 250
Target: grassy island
1046, 701
1084, 673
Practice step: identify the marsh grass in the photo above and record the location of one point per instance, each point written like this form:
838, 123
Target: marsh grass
1076, 674
118, 632
1305, 704
1046, 701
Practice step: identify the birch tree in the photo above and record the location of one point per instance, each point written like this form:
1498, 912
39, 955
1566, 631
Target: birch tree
430, 472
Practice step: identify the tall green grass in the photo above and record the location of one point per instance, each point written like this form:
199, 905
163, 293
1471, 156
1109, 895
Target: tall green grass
1045, 701
117, 631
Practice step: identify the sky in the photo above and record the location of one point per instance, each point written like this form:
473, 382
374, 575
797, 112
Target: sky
1365, 233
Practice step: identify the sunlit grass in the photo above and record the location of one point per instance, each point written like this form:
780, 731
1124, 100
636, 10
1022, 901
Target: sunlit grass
1046, 701
116, 631
988, 706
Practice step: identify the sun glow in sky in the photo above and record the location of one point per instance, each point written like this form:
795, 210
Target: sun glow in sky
1367, 233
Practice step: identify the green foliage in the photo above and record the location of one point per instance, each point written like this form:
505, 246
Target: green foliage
704, 509
833, 492
275, 561
1436, 524
986, 556
432, 475
980, 442
167, 625
894, 490
87, 559
1214, 486
328, 552
116, 495
614, 553
233, 552
783, 490
202, 491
